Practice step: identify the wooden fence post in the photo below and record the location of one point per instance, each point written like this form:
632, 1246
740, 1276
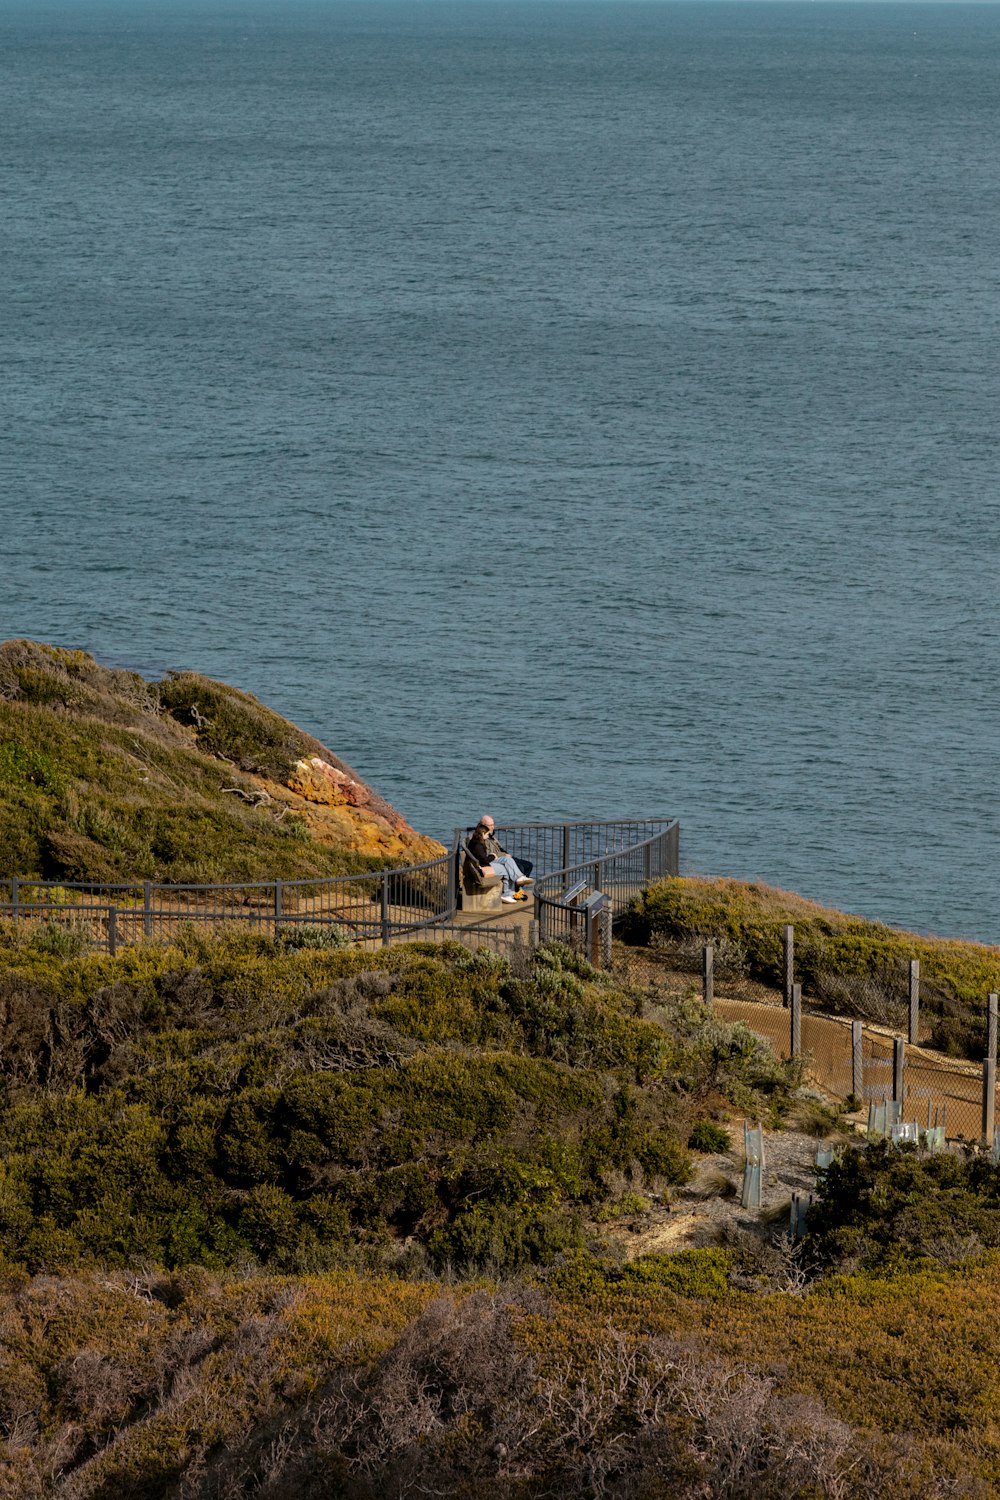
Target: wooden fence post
788, 940
607, 933
898, 1067
708, 974
795, 1030
991, 1025
857, 1061
990, 1073
912, 1035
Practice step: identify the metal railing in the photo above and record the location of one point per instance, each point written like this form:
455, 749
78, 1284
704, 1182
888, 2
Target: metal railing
570, 901
618, 856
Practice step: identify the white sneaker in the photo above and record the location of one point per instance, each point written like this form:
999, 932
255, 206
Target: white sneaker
524, 880
509, 900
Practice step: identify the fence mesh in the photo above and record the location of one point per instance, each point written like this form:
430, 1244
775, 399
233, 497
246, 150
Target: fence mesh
934, 1090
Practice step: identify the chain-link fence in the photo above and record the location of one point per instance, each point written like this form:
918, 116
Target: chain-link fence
846, 1055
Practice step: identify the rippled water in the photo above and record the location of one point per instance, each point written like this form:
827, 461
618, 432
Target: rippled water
560, 409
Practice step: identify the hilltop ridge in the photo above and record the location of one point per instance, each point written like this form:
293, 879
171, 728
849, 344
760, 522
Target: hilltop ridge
104, 776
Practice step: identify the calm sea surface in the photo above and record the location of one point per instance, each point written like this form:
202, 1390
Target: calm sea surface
560, 409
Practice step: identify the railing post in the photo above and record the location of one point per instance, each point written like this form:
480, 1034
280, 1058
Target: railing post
898, 1067
708, 974
788, 943
453, 874
565, 853
913, 1032
385, 909
278, 893
674, 835
857, 1061
147, 909
15, 897
112, 931
795, 1028
647, 863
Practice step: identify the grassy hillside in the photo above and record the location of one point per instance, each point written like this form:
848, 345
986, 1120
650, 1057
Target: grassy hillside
853, 966
104, 776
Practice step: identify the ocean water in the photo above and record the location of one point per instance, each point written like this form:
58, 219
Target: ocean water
560, 409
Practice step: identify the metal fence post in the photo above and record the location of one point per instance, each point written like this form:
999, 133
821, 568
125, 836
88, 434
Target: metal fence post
112, 931
15, 896
912, 1035
147, 912
708, 974
898, 1067
788, 942
857, 1061
277, 906
385, 909
565, 853
795, 1029
674, 835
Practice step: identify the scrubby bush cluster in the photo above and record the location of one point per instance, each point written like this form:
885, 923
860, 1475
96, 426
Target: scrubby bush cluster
886, 1206
160, 1388
249, 1100
851, 965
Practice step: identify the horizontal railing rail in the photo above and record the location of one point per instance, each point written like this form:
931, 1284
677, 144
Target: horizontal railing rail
614, 857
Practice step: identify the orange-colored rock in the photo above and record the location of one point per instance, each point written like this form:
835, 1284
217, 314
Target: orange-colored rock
343, 811
317, 781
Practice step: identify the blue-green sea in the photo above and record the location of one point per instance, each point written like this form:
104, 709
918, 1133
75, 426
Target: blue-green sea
560, 409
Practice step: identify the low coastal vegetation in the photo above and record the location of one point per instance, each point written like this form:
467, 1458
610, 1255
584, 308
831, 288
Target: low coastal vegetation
851, 965
291, 1221
105, 777
246, 1099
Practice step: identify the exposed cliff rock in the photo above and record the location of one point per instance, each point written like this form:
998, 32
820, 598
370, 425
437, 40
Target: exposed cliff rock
104, 775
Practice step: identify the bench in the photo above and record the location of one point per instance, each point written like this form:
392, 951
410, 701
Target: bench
476, 890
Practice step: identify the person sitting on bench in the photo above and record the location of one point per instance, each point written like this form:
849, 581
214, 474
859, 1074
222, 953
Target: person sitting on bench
485, 848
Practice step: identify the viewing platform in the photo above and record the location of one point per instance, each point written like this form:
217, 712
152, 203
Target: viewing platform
585, 874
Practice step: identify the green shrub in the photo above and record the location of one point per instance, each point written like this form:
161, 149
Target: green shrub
709, 1138
691, 1273
888, 1206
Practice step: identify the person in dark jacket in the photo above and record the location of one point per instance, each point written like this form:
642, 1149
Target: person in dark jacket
485, 848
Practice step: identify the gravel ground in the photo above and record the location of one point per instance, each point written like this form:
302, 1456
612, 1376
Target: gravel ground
697, 1214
